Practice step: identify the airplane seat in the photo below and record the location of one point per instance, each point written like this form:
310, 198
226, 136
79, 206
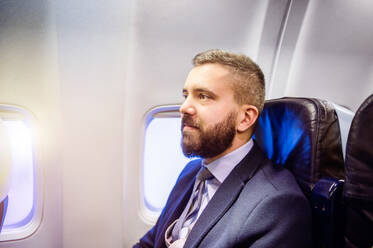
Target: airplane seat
358, 191
5, 172
303, 135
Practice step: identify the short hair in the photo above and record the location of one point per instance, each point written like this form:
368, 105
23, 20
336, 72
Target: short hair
248, 78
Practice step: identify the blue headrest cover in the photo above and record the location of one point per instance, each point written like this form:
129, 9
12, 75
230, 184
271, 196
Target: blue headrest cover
302, 134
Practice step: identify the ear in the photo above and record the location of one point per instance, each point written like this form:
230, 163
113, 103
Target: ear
247, 117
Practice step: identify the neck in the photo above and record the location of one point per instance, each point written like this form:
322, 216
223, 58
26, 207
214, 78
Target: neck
238, 141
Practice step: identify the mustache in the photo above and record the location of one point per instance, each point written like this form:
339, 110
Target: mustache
188, 120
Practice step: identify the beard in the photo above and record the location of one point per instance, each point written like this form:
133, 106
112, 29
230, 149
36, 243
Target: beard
210, 142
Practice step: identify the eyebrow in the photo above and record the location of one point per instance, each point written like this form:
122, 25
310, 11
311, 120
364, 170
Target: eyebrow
203, 90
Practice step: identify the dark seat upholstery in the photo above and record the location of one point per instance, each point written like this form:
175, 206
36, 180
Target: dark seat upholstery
358, 190
303, 135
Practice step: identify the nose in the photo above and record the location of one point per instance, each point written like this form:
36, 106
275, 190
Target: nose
187, 107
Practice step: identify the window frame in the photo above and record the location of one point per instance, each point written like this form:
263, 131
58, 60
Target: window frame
161, 111
27, 230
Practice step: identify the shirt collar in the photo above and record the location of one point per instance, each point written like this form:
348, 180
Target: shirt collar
223, 166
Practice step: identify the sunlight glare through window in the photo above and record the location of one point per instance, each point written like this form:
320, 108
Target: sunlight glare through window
21, 194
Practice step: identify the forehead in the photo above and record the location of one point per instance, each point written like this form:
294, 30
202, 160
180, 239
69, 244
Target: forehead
214, 77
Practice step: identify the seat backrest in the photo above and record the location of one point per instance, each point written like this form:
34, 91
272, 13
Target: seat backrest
303, 135
358, 191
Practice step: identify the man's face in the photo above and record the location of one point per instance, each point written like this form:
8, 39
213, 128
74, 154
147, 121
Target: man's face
209, 112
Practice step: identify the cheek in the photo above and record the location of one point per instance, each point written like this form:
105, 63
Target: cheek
217, 116
211, 116
210, 123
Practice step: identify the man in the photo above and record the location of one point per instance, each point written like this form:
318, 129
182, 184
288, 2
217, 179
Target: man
233, 196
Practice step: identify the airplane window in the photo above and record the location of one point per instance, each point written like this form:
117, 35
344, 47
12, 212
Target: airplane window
21, 193
20, 219
163, 158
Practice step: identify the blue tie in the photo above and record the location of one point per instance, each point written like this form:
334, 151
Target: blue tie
194, 202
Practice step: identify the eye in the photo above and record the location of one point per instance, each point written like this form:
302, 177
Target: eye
203, 96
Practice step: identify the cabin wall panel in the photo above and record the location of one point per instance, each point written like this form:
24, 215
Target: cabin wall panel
334, 53
29, 79
92, 47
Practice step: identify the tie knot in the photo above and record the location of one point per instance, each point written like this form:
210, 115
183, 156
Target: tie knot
204, 174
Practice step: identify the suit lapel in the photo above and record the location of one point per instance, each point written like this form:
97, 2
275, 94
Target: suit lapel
178, 200
175, 211
225, 196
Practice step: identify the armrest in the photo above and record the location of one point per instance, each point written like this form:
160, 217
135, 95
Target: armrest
327, 213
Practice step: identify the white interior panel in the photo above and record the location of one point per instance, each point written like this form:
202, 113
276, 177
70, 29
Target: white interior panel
92, 47
334, 54
29, 79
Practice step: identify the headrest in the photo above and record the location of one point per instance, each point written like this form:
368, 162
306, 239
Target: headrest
359, 154
302, 134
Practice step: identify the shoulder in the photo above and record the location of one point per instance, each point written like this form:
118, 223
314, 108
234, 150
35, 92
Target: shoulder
279, 192
272, 184
280, 179
279, 209
274, 179
263, 178
278, 176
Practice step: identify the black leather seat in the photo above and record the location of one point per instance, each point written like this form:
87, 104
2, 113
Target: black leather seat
303, 135
358, 190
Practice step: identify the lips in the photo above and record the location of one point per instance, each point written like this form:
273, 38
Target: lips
188, 123
186, 127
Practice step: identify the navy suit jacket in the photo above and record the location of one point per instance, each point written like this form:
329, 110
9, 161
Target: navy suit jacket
258, 205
